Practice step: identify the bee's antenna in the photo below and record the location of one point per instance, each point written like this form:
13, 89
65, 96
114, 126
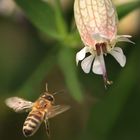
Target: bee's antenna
46, 86
58, 92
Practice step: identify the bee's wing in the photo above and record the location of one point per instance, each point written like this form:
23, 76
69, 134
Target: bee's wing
56, 110
18, 104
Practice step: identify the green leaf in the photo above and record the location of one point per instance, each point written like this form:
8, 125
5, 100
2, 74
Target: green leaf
126, 8
106, 113
68, 67
41, 15
60, 22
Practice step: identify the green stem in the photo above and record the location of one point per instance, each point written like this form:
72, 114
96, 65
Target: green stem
60, 21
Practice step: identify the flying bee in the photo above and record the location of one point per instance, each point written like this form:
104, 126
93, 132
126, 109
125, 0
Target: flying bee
40, 110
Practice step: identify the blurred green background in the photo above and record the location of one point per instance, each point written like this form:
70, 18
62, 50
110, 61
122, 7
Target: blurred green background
38, 44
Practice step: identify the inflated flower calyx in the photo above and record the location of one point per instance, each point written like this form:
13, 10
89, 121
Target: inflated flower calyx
97, 23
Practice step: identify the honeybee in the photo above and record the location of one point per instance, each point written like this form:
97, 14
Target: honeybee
40, 110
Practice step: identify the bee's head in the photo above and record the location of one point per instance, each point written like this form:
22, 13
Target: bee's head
48, 97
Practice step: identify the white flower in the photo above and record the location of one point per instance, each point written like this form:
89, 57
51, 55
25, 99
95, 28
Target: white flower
97, 21
116, 52
95, 60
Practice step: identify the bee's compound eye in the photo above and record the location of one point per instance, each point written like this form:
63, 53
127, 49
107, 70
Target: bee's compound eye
50, 98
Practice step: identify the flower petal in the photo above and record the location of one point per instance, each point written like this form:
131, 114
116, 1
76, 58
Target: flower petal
117, 53
99, 65
124, 38
81, 54
86, 63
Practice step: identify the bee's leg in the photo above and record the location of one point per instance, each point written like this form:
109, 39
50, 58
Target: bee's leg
47, 127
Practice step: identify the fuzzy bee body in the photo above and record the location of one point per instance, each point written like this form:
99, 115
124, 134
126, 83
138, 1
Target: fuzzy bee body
32, 122
36, 116
40, 111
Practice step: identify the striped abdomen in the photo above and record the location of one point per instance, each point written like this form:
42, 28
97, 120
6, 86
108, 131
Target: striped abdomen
32, 122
